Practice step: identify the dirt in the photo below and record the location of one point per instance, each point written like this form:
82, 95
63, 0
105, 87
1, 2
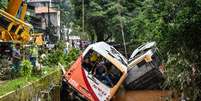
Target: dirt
2, 82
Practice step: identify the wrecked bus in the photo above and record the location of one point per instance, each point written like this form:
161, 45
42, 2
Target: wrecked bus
145, 68
96, 75
101, 69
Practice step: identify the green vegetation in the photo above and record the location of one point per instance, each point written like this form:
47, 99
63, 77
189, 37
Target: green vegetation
12, 85
26, 75
20, 82
26, 68
3, 4
71, 57
58, 56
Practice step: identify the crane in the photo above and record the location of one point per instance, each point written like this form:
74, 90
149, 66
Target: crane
12, 25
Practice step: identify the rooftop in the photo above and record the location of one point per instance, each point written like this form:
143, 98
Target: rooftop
39, 10
33, 1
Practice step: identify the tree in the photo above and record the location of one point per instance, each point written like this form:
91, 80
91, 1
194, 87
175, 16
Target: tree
98, 17
173, 24
3, 4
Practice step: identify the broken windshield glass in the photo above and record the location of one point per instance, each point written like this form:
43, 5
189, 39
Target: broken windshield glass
115, 54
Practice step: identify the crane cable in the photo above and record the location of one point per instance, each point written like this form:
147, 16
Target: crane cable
122, 30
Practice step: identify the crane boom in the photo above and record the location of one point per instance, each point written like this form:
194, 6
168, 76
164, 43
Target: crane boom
12, 24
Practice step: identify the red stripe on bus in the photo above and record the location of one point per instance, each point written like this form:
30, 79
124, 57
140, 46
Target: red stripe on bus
89, 87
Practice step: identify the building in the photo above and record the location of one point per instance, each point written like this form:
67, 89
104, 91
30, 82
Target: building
45, 16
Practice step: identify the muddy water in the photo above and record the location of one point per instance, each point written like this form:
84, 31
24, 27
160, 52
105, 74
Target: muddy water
48, 95
146, 95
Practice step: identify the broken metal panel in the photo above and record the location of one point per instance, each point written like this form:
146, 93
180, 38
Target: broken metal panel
142, 48
144, 70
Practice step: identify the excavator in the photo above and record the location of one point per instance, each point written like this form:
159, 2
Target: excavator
13, 27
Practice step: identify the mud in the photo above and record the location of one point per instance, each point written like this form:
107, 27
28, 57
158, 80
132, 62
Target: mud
145, 95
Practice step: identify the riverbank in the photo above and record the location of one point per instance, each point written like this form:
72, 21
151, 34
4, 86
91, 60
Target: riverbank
22, 89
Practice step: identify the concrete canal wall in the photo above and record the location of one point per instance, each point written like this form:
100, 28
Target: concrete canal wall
32, 90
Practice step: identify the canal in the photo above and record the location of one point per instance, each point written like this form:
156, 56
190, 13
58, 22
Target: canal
48, 89
143, 95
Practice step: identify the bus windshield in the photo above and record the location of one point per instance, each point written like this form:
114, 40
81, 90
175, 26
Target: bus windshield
101, 68
115, 54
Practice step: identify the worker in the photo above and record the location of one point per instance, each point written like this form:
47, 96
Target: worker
99, 70
102, 73
86, 64
73, 44
34, 55
66, 49
93, 57
16, 58
81, 45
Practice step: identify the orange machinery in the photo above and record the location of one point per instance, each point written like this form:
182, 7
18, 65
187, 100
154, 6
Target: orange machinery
12, 24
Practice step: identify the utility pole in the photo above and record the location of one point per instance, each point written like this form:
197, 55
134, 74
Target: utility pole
49, 13
82, 16
122, 28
